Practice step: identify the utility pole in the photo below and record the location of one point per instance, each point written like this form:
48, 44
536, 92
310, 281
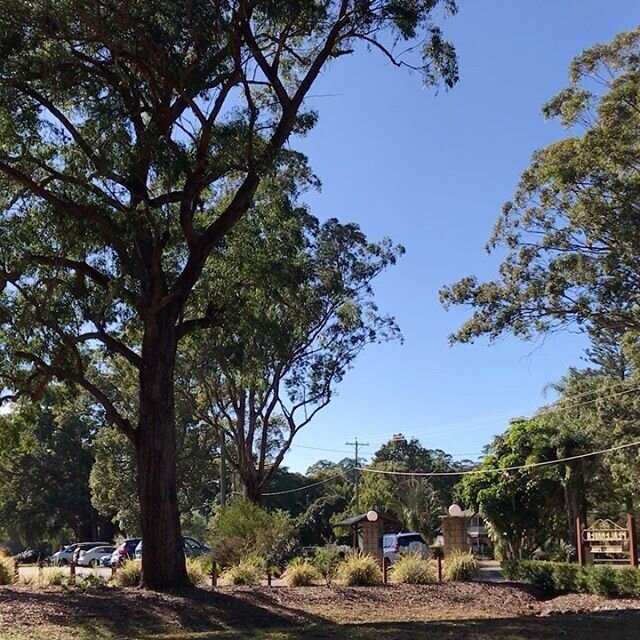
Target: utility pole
357, 444
223, 469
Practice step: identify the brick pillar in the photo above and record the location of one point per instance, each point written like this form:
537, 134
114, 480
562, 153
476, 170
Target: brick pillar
454, 531
371, 535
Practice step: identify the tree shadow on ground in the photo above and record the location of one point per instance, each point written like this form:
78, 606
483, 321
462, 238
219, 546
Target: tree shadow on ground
133, 612
601, 625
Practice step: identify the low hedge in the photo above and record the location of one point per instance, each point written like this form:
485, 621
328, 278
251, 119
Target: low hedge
562, 577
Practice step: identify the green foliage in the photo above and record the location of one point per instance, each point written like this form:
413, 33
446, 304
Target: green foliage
129, 574
601, 579
45, 459
120, 181
244, 527
6, 569
416, 503
627, 581
556, 577
90, 582
460, 566
437, 551
358, 570
297, 330
412, 568
515, 503
571, 231
326, 560
300, 572
250, 570
113, 474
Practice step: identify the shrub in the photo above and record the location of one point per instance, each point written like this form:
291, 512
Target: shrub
248, 571
437, 551
91, 581
243, 528
129, 574
565, 577
602, 580
460, 566
326, 561
196, 571
628, 582
562, 577
358, 570
300, 573
511, 570
537, 572
7, 566
412, 568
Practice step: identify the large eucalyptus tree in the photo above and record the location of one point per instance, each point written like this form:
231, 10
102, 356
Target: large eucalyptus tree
133, 136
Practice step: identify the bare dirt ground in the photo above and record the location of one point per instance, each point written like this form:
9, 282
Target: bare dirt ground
459, 610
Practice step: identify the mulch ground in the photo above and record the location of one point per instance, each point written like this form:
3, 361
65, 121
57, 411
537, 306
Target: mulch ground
283, 607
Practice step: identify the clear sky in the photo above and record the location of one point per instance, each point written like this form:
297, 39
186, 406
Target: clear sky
431, 172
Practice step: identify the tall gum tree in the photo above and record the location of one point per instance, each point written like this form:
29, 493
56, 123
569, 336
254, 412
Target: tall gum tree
571, 233
299, 297
133, 136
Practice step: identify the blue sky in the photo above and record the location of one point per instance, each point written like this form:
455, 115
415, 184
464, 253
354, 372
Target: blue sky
431, 172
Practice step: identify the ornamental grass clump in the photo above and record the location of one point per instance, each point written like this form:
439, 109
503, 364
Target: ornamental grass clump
412, 568
358, 570
460, 566
249, 571
129, 574
53, 577
196, 570
300, 572
7, 566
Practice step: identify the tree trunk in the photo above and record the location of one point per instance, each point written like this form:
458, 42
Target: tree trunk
163, 560
573, 501
251, 486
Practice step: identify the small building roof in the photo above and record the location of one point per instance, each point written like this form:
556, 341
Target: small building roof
362, 517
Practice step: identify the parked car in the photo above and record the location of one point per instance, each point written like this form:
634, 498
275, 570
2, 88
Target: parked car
30, 556
124, 551
105, 561
393, 544
192, 548
91, 557
72, 551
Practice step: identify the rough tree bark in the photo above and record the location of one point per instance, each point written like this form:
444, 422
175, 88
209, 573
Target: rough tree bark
163, 556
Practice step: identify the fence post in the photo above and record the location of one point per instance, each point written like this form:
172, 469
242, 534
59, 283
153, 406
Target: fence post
72, 571
633, 548
214, 574
269, 577
385, 570
439, 561
114, 568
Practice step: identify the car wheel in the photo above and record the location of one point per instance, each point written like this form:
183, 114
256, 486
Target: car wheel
64, 562
93, 564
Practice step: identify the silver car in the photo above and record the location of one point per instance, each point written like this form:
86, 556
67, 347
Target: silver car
393, 544
192, 548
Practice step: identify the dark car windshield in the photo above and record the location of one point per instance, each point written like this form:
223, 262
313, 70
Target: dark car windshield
405, 541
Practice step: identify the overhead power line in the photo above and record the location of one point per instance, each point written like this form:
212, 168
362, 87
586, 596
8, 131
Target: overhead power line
306, 486
478, 423
533, 465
